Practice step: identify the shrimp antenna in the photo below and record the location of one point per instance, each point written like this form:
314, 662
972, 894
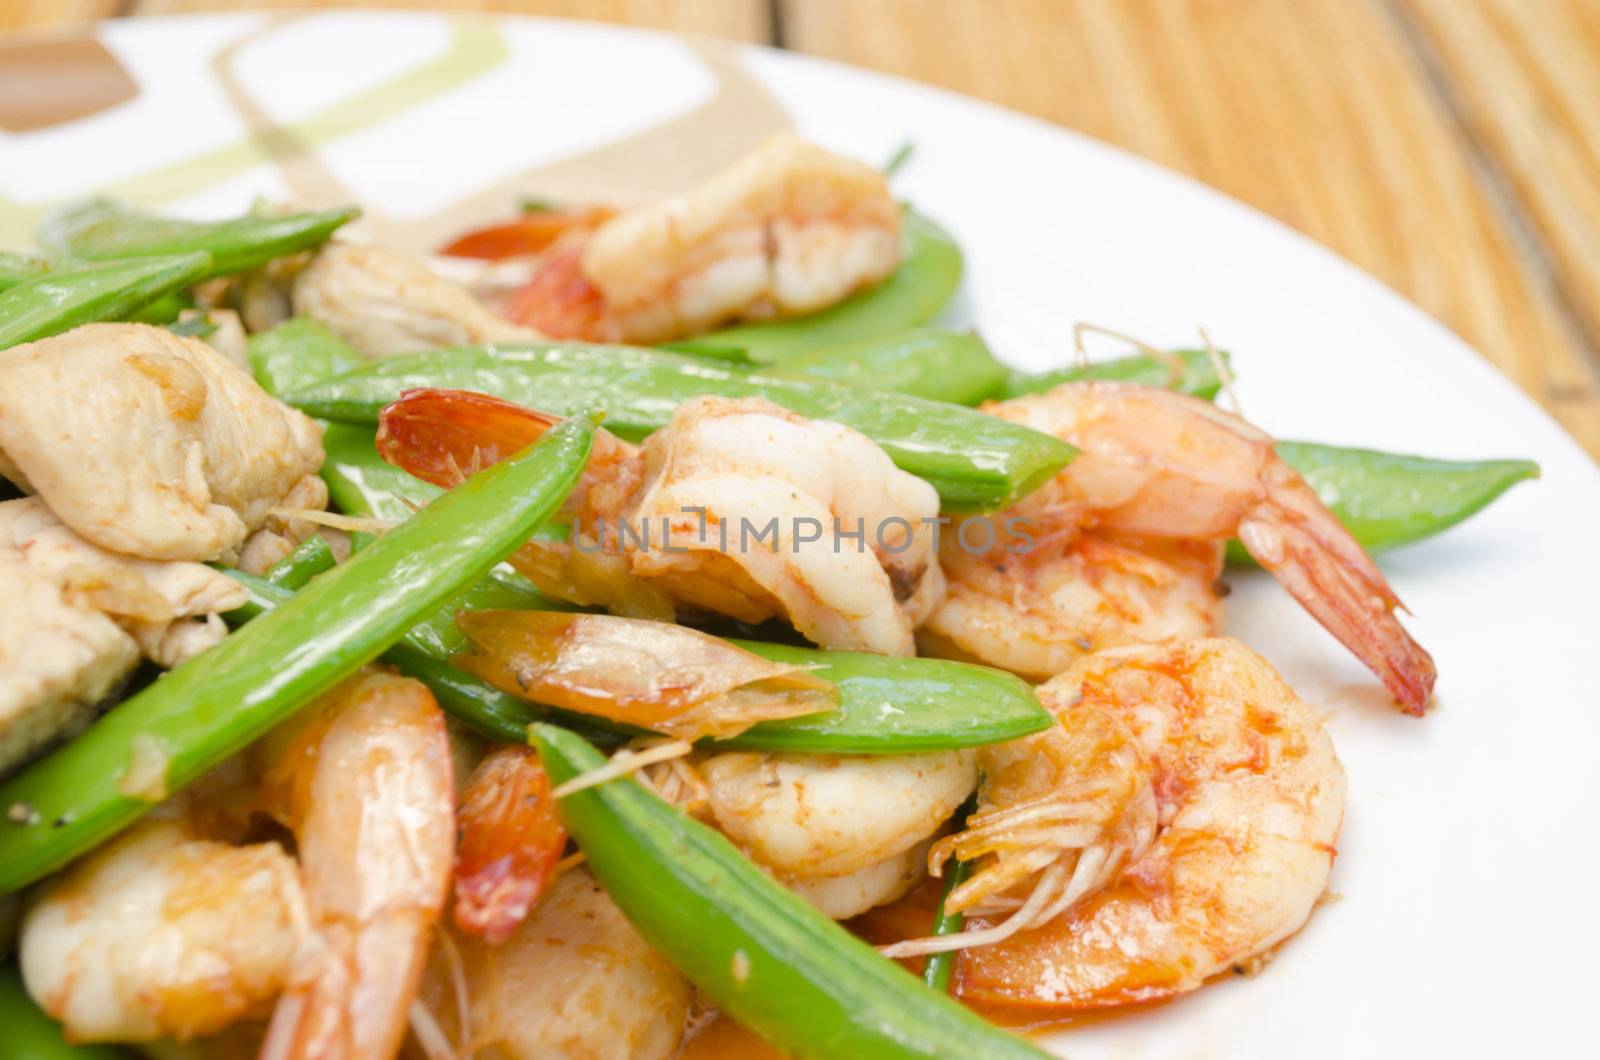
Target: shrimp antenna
1224, 374
1173, 362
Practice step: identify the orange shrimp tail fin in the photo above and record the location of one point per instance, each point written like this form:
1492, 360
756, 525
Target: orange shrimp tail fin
532, 233
1314, 557
511, 840
560, 301
442, 436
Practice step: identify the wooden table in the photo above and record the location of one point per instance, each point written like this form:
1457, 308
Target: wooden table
1449, 147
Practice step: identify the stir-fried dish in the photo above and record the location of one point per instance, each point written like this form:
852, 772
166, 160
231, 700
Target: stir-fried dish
638, 631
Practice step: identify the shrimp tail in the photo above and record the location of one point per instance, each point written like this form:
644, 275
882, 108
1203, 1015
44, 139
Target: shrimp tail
442, 436
1314, 557
560, 301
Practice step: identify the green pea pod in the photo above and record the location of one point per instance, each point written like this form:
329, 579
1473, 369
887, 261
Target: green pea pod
217, 702
100, 229
976, 462
474, 703
31, 1035
932, 363
75, 294
929, 272
164, 310
1197, 375
756, 949
937, 972
890, 705
298, 353
19, 268
295, 570
1390, 499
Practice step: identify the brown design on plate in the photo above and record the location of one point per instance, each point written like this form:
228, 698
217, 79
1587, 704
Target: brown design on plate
52, 82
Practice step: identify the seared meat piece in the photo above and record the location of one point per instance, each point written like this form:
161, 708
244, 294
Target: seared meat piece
148, 443
385, 303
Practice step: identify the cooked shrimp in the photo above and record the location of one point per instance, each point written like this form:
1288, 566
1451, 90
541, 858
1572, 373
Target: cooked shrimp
1158, 464
385, 303
732, 508
575, 982
511, 839
177, 930
666, 678
365, 783
1120, 901
800, 817
164, 933
788, 229
1035, 613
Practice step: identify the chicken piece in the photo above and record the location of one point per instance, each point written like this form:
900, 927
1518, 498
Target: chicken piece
170, 607
149, 443
385, 303
58, 662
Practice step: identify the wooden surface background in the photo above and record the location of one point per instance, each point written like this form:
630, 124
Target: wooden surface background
1449, 147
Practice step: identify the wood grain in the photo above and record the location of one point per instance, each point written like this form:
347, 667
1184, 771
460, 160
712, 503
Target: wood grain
1525, 75
742, 20
1316, 111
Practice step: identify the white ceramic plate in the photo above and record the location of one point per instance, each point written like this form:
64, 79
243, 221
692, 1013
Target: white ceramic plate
1467, 923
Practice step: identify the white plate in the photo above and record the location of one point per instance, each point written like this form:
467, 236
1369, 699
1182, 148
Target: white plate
1466, 924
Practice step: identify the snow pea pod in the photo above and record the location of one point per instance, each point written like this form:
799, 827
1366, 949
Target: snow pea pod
1197, 374
940, 967
99, 229
1391, 499
293, 571
890, 705
16, 268
211, 706
976, 462
929, 272
82, 293
932, 363
31, 1035
758, 950
296, 353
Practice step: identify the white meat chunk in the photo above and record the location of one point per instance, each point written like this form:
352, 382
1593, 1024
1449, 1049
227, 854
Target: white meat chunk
149, 443
169, 607
58, 662
385, 303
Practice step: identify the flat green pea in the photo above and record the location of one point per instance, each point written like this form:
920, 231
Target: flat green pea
164, 310
78, 293
16, 268
296, 353
890, 705
976, 462
100, 229
1197, 374
311, 558
31, 1035
1391, 499
929, 273
213, 705
927, 362
940, 967
759, 951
